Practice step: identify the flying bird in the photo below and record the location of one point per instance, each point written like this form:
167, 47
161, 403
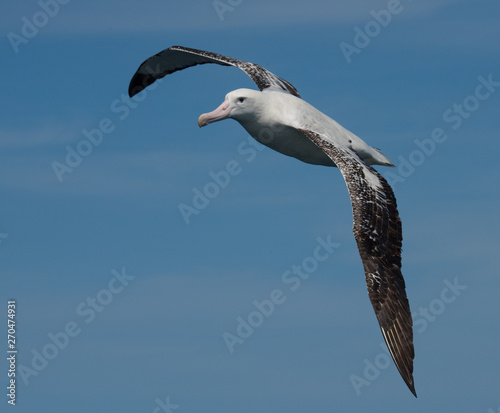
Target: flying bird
277, 117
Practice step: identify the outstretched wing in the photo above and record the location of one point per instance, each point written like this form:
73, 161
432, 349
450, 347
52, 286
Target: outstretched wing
178, 57
377, 229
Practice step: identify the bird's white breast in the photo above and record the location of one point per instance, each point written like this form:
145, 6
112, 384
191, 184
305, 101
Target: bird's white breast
278, 119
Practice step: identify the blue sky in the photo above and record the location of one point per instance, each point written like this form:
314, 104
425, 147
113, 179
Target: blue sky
122, 305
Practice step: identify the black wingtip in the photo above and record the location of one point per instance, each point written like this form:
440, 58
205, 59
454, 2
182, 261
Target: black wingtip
407, 376
412, 388
148, 72
139, 82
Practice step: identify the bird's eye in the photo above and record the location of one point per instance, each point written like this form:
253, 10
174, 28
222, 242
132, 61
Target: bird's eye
241, 100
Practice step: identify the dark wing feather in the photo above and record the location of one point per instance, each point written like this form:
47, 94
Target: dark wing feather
377, 229
178, 57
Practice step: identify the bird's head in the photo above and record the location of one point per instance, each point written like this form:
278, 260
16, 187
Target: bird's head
240, 104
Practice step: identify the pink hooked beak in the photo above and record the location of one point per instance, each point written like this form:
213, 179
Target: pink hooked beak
222, 112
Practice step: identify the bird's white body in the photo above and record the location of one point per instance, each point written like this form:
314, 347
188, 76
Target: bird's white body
273, 118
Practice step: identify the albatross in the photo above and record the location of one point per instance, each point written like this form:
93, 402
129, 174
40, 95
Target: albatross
277, 117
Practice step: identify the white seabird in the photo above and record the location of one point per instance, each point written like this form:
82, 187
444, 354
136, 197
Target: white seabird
277, 117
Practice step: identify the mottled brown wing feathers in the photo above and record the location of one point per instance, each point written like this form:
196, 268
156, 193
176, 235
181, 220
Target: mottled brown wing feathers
178, 57
377, 229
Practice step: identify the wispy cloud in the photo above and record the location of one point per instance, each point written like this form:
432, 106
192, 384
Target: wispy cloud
152, 16
37, 134
109, 173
